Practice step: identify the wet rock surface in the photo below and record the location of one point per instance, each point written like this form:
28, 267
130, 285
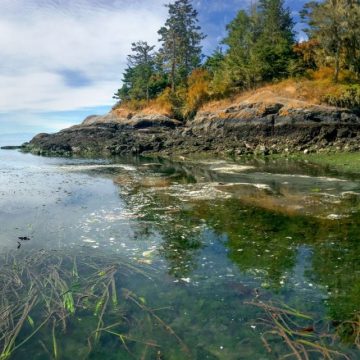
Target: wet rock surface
247, 128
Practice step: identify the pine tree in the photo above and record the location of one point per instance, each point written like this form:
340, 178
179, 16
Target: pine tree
123, 93
141, 79
240, 64
142, 61
259, 44
214, 61
273, 49
181, 42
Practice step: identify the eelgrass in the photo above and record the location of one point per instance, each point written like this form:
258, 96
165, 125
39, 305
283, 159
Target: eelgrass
302, 336
350, 329
44, 291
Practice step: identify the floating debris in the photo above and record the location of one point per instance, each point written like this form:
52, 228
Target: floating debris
148, 253
89, 241
187, 280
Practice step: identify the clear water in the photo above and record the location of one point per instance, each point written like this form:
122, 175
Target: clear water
215, 237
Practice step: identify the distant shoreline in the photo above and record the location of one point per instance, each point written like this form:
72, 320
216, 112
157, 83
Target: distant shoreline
11, 147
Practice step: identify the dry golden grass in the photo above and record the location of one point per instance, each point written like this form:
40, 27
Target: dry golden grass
304, 92
155, 107
127, 110
293, 93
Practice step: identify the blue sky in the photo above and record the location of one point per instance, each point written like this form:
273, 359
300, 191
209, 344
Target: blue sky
62, 60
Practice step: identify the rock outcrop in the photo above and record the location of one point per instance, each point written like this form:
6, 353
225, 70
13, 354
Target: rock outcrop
137, 121
273, 126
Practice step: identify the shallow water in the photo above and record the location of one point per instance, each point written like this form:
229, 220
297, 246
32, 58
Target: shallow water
216, 238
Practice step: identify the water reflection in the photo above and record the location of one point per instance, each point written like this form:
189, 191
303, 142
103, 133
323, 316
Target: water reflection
286, 252
213, 234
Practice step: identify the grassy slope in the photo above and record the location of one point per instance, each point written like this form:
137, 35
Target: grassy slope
298, 92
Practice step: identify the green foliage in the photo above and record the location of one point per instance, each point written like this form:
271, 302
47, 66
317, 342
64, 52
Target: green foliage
334, 24
214, 62
305, 58
259, 48
240, 64
149, 74
259, 45
141, 79
180, 37
273, 48
186, 100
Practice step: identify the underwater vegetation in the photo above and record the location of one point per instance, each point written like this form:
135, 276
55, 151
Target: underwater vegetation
304, 337
46, 294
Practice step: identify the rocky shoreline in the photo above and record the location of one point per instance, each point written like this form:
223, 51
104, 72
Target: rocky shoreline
244, 129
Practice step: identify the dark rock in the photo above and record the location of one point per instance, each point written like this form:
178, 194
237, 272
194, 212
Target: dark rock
272, 109
240, 129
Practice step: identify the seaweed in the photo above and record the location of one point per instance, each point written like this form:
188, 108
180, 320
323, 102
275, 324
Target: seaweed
303, 336
44, 293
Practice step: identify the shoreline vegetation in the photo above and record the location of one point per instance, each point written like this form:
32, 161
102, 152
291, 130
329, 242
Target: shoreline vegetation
262, 92
260, 48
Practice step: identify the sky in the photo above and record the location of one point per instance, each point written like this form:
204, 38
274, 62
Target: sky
62, 60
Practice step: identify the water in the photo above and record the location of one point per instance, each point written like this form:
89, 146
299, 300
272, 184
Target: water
216, 242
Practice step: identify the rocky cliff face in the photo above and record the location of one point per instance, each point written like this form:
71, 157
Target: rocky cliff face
262, 127
136, 121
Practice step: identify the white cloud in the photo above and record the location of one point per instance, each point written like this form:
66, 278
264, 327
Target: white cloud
41, 38
47, 91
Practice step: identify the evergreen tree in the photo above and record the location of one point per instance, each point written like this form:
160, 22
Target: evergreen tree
142, 62
273, 49
214, 62
142, 78
240, 63
259, 44
123, 93
181, 42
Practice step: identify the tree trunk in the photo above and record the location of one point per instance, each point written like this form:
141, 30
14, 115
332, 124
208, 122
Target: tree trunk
173, 64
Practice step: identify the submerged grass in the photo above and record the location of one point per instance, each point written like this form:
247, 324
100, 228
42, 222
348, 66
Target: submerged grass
350, 330
304, 337
43, 293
